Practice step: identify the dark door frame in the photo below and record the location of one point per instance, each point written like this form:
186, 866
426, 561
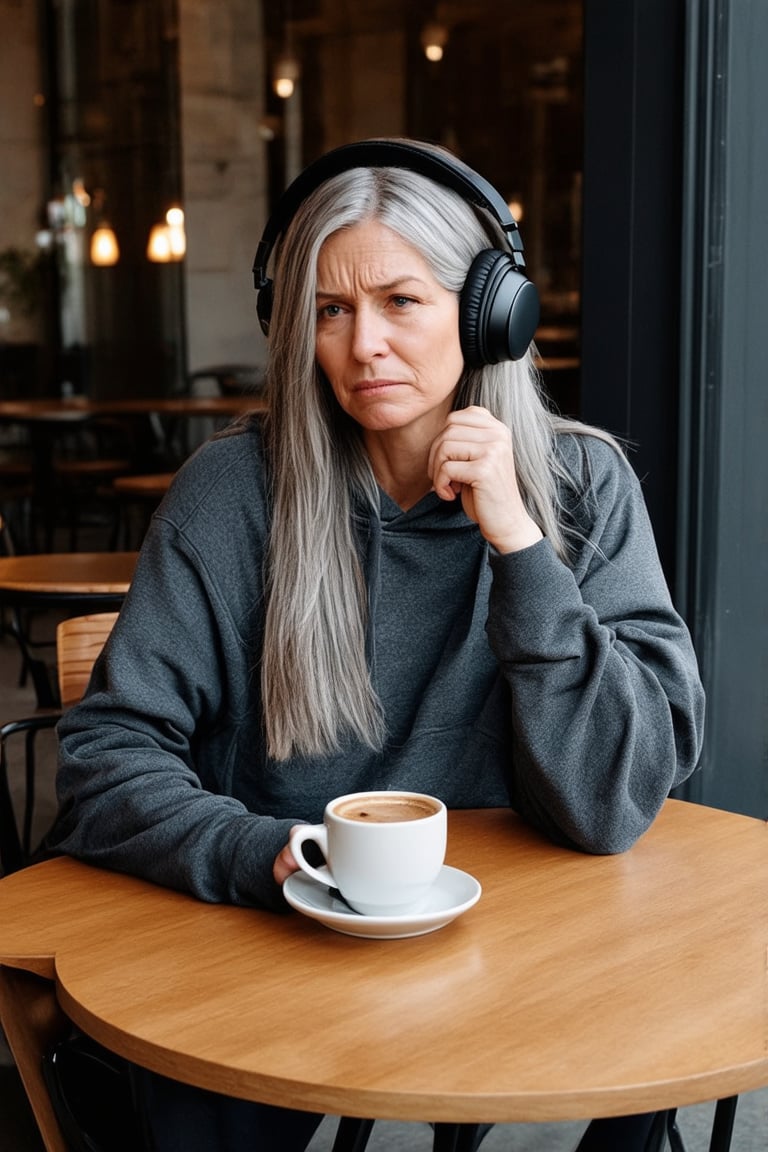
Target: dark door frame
633, 100
675, 330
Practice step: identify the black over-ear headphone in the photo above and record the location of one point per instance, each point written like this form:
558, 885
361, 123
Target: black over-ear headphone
499, 306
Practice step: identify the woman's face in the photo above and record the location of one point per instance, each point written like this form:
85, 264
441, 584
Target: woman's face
387, 331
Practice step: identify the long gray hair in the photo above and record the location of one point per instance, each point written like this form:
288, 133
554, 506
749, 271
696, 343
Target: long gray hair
315, 680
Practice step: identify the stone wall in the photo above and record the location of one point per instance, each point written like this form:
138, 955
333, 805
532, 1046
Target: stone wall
223, 158
22, 122
224, 176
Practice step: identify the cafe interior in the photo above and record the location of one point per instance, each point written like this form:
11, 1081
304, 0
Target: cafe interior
143, 145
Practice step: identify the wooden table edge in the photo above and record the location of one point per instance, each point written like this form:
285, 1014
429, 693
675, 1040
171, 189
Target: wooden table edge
509, 1108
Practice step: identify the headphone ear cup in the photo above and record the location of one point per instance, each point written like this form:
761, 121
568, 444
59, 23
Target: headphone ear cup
264, 306
498, 310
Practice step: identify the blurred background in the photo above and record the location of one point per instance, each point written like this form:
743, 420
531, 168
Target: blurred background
144, 142
121, 111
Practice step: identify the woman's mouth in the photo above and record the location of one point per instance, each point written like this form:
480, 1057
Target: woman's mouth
371, 387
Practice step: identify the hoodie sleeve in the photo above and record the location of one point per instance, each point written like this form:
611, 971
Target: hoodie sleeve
148, 758
606, 701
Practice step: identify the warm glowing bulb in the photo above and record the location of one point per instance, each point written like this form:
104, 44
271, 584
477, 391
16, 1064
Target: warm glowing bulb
80, 192
168, 241
285, 75
177, 242
159, 245
434, 38
284, 86
516, 209
177, 238
104, 247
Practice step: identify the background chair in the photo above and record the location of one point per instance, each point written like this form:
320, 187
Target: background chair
69, 583
228, 379
15, 621
136, 498
17, 490
79, 641
86, 466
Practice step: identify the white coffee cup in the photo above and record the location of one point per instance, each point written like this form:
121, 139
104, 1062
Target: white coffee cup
384, 850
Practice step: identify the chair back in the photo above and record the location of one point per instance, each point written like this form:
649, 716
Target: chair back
79, 641
6, 539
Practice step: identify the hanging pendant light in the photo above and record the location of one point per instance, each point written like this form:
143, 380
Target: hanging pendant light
434, 38
287, 70
105, 251
167, 242
177, 237
285, 75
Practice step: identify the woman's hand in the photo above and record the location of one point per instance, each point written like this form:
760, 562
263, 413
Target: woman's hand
473, 457
284, 865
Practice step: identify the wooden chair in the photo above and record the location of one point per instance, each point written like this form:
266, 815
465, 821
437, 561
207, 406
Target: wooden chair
79, 641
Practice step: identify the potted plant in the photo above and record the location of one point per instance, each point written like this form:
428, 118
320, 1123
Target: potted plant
21, 281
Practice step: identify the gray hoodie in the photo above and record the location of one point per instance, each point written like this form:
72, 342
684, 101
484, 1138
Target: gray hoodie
568, 692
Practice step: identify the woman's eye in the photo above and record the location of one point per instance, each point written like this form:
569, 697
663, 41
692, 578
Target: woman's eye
402, 301
328, 311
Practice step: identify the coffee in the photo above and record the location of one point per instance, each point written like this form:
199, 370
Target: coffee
386, 809
383, 850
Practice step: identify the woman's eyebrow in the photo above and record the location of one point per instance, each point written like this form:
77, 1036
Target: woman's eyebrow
388, 287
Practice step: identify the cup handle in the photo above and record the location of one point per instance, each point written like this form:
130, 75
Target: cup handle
317, 834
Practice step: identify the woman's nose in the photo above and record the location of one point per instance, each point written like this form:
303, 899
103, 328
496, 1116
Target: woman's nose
369, 336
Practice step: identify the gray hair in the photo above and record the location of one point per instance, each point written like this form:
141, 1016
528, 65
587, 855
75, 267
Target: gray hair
315, 679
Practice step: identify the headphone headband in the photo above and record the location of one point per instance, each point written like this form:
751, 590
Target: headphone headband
498, 306
440, 167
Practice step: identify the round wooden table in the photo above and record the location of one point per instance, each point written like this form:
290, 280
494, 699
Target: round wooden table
78, 581
57, 577
578, 986
60, 410
149, 486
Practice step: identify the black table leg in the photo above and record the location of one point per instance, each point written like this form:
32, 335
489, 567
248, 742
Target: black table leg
459, 1137
673, 1132
352, 1135
722, 1127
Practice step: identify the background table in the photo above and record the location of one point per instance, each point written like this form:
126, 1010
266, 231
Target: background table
79, 581
74, 409
47, 419
578, 986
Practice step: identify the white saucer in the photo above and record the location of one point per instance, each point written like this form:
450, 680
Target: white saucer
453, 893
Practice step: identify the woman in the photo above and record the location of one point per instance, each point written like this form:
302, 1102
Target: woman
411, 575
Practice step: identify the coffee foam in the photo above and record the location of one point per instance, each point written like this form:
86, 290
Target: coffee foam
386, 809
